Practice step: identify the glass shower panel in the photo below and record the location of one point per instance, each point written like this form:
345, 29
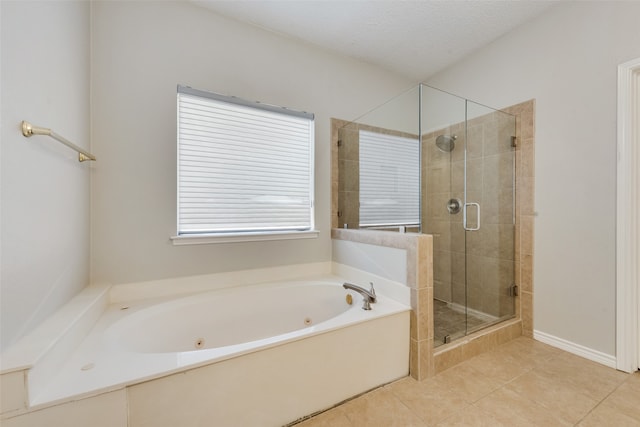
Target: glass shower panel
443, 135
379, 167
489, 200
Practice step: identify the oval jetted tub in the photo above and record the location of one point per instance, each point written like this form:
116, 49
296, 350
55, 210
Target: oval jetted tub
256, 355
261, 315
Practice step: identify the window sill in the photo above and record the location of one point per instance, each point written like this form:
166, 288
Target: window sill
205, 239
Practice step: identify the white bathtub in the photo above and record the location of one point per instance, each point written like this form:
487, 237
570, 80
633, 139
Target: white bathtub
228, 320
254, 355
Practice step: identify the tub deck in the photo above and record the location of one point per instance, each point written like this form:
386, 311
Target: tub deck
98, 366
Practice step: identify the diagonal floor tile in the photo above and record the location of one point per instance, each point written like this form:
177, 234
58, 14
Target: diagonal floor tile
521, 410
466, 381
626, 398
472, 416
499, 365
380, 408
568, 403
605, 415
427, 399
591, 378
519, 384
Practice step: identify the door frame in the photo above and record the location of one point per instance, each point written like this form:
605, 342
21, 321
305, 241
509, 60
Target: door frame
628, 218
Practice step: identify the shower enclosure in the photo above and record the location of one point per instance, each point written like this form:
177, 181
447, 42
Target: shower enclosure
431, 162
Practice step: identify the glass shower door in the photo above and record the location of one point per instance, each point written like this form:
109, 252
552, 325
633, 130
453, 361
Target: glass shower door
488, 216
443, 131
468, 206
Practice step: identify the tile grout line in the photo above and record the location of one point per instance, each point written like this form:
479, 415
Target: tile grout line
598, 403
601, 401
410, 410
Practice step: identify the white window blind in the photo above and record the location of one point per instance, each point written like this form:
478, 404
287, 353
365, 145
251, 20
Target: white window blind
389, 180
243, 167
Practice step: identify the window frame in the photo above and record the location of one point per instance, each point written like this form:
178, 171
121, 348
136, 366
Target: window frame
188, 238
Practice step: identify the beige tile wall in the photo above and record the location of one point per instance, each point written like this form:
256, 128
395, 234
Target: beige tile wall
419, 248
345, 157
349, 179
525, 212
336, 125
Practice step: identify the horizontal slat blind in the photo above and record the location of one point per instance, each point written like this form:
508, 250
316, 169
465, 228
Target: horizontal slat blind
242, 169
389, 180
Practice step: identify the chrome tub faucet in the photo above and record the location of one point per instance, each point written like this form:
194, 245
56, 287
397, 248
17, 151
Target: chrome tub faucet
368, 296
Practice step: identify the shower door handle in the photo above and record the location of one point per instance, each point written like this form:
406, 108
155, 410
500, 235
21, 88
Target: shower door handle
464, 216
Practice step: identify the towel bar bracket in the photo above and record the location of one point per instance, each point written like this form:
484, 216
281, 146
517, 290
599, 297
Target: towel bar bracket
29, 130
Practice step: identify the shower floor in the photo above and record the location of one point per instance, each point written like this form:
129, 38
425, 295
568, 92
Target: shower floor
451, 322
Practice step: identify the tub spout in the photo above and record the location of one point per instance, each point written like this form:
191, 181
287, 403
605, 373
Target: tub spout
369, 296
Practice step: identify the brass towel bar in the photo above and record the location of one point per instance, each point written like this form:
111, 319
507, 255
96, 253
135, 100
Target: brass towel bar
28, 129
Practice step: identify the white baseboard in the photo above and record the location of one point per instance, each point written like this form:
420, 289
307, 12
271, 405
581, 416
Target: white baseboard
577, 349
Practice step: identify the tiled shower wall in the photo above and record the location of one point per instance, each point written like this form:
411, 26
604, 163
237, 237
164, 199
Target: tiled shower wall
487, 268
347, 214
525, 211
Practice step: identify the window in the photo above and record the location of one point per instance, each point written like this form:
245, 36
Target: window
389, 180
244, 168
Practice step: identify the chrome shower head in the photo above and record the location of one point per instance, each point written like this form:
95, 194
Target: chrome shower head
446, 143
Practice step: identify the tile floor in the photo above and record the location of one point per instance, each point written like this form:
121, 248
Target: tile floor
521, 383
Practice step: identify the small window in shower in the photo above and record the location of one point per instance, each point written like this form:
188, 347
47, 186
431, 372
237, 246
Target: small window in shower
389, 180
244, 168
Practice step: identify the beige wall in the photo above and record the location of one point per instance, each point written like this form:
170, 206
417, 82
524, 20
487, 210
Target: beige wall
44, 195
140, 52
567, 60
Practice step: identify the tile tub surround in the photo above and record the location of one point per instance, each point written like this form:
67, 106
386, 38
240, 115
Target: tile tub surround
520, 383
419, 279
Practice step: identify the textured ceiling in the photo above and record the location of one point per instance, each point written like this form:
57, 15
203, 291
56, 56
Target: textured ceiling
414, 38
